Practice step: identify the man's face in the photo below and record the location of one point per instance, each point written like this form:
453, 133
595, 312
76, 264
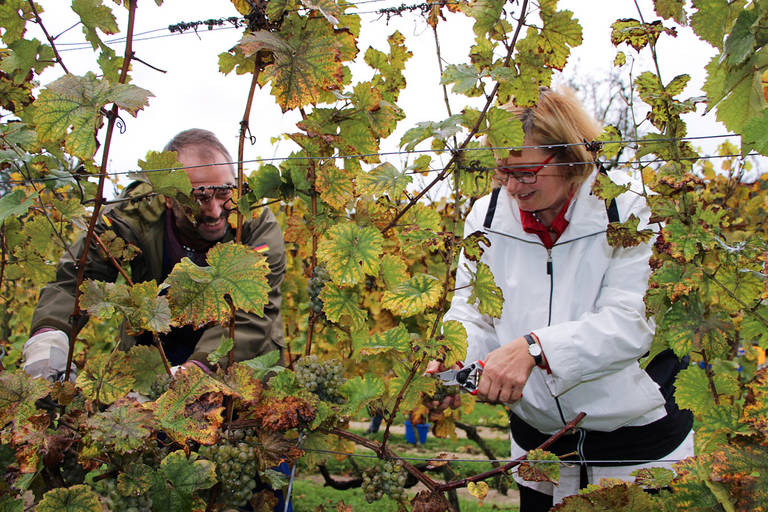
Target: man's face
210, 223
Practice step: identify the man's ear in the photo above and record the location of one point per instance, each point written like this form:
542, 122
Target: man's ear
168, 202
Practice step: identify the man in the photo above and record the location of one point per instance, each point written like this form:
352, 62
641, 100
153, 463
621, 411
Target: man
160, 229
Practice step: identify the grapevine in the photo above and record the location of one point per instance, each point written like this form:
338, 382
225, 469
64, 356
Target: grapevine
237, 467
119, 502
323, 378
316, 284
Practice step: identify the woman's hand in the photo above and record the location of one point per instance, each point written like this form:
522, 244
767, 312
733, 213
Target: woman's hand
506, 371
452, 400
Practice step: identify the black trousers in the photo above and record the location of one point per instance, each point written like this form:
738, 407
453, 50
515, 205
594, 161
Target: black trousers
534, 501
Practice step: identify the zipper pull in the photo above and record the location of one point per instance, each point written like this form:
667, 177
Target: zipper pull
549, 262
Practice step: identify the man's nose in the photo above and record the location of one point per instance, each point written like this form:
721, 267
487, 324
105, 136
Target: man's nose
212, 208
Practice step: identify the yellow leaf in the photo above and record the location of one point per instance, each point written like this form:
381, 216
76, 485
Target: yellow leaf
479, 490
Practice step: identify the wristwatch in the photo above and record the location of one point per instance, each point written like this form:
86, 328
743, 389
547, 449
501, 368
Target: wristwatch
534, 349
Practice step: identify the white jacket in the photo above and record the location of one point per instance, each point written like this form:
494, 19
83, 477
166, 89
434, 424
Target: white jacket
588, 313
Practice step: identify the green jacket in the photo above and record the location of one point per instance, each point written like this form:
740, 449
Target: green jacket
142, 223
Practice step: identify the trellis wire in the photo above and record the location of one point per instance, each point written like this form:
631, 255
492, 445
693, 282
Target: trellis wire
629, 462
417, 151
287, 497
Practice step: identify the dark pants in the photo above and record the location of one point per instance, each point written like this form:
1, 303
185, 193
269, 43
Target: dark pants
534, 501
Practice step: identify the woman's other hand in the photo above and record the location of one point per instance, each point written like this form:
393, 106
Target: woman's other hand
506, 371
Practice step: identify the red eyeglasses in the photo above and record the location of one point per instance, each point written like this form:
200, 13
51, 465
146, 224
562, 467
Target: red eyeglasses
527, 175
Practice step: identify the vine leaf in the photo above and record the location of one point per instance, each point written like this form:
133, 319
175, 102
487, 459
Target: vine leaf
636, 34
621, 496
479, 490
541, 466
396, 339
146, 364
94, 14
192, 406
472, 245
504, 130
560, 32
140, 304
166, 176
442, 131
742, 468
261, 365
413, 296
755, 134
226, 345
485, 293
15, 203
328, 8
464, 79
360, 391
341, 305
486, 14
109, 375
674, 9
25, 56
419, 385
178, 478
350, 253
452, 343
606, 189
246, 381
393, 270
712, 19
384, 179
124, 427
626, 234
755, 411
654, 478
197, 294
70, 108
307, 57
136, 480
335, 185
78, 498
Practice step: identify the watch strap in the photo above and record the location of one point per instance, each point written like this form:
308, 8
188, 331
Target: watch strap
537, 359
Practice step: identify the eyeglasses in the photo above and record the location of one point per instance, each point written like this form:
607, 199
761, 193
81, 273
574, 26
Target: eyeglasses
526, 175
220, 192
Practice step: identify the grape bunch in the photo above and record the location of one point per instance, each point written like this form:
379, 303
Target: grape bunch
118, 502
237, 467
388, 479
316, 283
71, 470
323, 378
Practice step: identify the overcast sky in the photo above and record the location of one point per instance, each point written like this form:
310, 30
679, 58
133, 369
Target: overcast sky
192, 92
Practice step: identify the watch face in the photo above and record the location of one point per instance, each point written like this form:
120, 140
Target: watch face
534, 350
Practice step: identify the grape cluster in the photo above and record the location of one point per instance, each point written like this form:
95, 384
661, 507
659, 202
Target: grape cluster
323, 378
71, 470
387, 479
117, 502
316, 283
237, 467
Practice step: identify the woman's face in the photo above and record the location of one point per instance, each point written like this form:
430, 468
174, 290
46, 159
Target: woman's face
551, 188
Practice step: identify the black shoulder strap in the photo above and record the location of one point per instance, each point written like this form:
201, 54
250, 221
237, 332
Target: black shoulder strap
611, 209
491, 208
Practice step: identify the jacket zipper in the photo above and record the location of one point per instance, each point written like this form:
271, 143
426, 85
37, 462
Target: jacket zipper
551, 274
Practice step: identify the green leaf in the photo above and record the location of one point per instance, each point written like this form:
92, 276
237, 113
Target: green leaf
390, 80
486, 14
625, 234
618, 496
146, 364
15, 203
464, 79
755, 134
341, 305
93, 15
452, 343
692, 390
711, 19
26, 55
393, 340
442, 131
163, 171
419, 385
140, 304
504, 130
124, 427
360, 391
78, 498
236, 59
654, 478
741, 41
262, 365
674, 9
330, 10
393, 270
560, 33
384, 179
638, 34
543, 468
198, 295
744, 102
266, 183
413, 296
136, 480
307, 60
350, 252
106, 377
110, 63
472, 245
335, 185
485, 293
13, 16
222, 351
177, 480
70, 108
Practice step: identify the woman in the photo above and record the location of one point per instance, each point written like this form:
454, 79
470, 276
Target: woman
573, 325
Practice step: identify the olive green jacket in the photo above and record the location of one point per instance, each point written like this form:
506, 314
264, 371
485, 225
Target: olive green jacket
142, 223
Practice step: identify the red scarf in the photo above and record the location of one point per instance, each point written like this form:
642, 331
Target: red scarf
532, 225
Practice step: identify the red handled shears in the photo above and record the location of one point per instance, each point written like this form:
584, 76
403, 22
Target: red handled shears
467, 377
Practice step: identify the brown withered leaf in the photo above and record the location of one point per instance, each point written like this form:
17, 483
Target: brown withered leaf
285, 413
264, 501
441, 460
426, 501
273, 448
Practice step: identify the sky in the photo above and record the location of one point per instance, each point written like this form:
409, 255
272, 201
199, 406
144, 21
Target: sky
193, 93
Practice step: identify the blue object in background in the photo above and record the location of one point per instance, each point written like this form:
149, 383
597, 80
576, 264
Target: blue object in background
410, 435
423, 430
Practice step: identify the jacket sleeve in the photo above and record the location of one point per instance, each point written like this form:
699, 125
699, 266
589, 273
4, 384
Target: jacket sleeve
255, 335
481, 336
615, 333
57, 299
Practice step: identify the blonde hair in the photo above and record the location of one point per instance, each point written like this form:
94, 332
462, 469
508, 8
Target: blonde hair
559, 118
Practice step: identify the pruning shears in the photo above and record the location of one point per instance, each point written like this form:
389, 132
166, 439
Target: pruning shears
467, 377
